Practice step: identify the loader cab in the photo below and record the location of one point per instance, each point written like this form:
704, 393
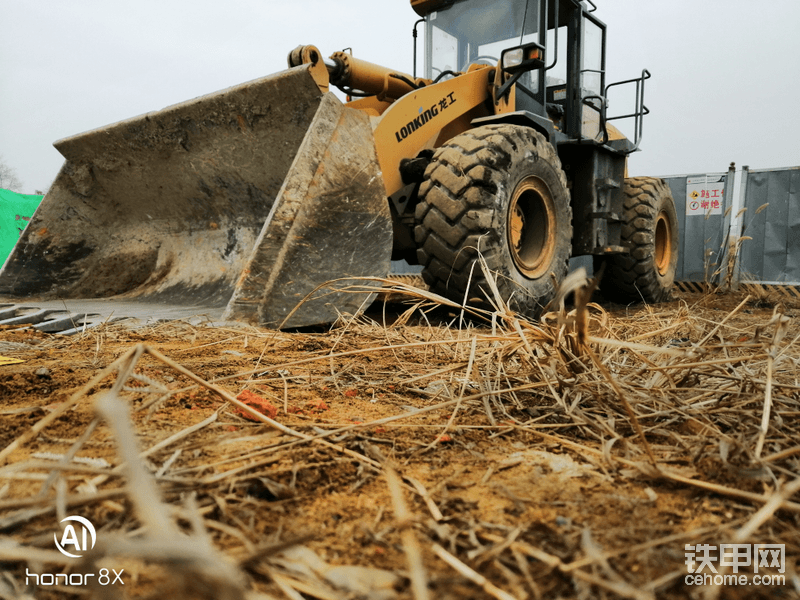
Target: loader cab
565, 95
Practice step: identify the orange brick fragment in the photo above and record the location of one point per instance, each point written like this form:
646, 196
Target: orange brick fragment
317, 406
255, 401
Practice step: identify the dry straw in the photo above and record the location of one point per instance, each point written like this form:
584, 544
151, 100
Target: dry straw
689, 397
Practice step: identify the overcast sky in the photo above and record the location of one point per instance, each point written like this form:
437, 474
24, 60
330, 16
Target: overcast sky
725, 85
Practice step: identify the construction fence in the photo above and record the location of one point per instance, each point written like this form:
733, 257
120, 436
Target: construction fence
739, 227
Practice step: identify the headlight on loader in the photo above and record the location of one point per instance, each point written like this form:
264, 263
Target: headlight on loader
522, 58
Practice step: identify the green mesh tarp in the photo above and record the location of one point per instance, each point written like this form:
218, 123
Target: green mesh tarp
15, 212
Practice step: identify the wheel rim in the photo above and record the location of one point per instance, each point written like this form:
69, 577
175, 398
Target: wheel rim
663, 243
532, 227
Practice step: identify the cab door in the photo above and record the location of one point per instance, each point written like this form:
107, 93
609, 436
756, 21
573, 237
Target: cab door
586, 75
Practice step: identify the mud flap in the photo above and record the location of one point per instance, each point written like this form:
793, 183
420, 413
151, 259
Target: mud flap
248, 198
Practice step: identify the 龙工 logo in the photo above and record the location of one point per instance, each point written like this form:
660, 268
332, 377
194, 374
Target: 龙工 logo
75, 542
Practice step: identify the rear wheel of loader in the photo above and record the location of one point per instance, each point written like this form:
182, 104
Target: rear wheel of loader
498, 191
650, 230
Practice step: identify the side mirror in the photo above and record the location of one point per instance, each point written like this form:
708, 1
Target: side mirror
520, 59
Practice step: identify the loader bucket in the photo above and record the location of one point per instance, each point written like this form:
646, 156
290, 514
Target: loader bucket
249, 199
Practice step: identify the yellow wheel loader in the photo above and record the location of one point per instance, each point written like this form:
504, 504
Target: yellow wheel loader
250, 199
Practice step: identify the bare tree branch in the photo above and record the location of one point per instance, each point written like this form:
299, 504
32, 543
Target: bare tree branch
9, 179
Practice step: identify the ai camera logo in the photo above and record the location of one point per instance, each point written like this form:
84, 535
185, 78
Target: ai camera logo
78, 544
79, 536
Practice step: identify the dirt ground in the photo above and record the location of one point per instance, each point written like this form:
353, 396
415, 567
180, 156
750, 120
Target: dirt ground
577, 457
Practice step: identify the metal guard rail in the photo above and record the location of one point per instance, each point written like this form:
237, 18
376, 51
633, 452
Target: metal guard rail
640, 111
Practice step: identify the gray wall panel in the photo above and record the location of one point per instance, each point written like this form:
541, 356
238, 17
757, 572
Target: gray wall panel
773, 253
752, 251
701, 235
677, 185
793, 227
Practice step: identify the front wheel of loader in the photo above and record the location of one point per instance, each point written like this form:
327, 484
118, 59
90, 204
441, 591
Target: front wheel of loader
499, 192
650, 231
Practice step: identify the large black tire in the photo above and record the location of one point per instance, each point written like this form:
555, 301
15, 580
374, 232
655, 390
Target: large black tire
650, 231
498, 190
